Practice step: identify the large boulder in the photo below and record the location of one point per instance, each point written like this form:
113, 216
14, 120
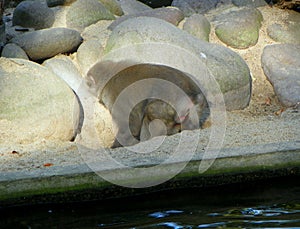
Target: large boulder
83, 13
47, 43
113, 6
190, 7
133, 6
169, 14
146, 39
239, 27
281, 64
89, 53
35, 104
288, 31
198, 26
33, 14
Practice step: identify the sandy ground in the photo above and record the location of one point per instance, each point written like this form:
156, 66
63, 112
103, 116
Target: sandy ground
264, 121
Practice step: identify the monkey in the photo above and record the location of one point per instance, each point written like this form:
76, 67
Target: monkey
160, 118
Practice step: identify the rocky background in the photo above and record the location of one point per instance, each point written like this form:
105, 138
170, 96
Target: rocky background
47, 46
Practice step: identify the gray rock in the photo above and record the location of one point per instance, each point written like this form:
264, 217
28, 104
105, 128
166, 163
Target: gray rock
169, 14
198, 26
253, 3
113, 6
83, 13
133, 6
98, 31
14, 51
65, 69
189, 7
239, 27
288, 32
227, 67
89, 53
281, 64
46, 43
36, 105
33, 14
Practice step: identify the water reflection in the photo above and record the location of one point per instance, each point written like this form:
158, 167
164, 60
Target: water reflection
276, 205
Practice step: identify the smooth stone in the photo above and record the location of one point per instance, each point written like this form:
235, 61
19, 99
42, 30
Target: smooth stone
239, 27
36, 105
65, 69
228, 68
113, 6
289, 32
281, 65
190, 7
33, 14
170, 14
133, 6
13, 51
83, 13
47, 43
198, 26
98, 31
252, 3
89, 53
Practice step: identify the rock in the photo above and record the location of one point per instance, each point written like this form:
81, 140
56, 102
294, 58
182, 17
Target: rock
47, 43
13, 51
227, 67
251, 3
83, 13
65, 69
189, 7
133, 6
98, 31
36, 105
113, 6
281, 65
14, 31
52, 3
88, 53
239, 27
198, 26
288, 32
169, 14
33, 14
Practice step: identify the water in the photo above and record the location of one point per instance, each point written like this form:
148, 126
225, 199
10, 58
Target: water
269, 204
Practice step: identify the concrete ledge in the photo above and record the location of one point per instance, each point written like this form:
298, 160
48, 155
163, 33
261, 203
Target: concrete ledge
79, 182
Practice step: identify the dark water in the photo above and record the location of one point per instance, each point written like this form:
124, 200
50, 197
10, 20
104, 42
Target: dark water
157, 3
268, 204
